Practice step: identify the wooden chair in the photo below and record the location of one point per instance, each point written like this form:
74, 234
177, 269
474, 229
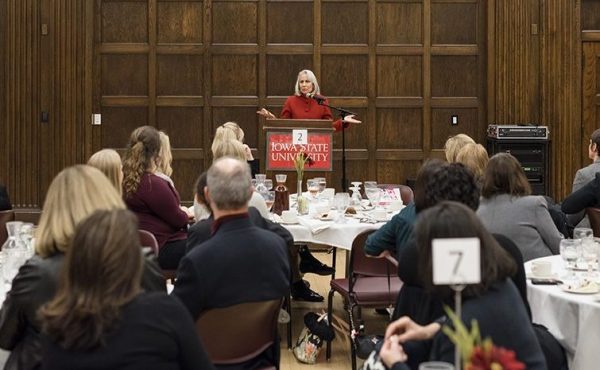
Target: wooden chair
369, 282
594, 217
239, 333
5, 216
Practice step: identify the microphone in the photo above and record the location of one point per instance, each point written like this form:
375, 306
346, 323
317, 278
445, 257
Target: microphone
319, 98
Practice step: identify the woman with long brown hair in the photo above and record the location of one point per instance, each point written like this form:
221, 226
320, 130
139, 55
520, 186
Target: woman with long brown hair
155, 201
101, 319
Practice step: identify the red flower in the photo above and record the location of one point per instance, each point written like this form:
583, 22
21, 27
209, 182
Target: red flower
490, 357
309, 161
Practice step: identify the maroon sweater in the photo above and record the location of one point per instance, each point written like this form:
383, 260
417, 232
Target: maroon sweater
156, 204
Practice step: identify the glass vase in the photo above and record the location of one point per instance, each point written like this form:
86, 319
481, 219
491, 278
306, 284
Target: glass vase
302, 202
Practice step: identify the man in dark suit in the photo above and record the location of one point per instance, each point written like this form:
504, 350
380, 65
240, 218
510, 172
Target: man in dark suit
201, 232
240, 262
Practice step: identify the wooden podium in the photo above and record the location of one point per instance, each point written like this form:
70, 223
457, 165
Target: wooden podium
319, 136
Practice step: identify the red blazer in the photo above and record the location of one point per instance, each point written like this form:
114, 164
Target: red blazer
301, 107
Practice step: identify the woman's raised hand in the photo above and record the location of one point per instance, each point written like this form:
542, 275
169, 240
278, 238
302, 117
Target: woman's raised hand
265, 113
351, 119
404, 329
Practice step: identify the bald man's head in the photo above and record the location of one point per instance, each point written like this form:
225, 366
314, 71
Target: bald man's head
229, 184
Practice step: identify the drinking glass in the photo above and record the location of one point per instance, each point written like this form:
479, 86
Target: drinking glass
313, 187
269, 197
356, 184
570, 251
373, 193
322, 183
370, 184
583, 233
269, 184
341, 202
588, 252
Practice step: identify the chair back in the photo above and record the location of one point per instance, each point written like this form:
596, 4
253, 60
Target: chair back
594, 217
238, 333
148, 240
361, 264
5, 216
406, 192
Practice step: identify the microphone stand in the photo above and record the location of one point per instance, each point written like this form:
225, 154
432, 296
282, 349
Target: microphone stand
343, 113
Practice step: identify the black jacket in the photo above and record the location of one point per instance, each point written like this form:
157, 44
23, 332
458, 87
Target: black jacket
35, 285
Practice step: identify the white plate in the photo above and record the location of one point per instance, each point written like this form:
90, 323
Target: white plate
591, 288
289, 222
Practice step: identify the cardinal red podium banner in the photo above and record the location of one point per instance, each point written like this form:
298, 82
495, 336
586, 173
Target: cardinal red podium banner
281, 151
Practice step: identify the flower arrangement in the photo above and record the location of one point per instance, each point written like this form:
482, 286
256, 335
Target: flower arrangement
300, 161
479, 354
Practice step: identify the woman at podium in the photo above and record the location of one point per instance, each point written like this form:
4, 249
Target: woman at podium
307, 103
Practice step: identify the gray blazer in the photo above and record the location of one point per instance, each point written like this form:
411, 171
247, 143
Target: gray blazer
524, 220
582, 177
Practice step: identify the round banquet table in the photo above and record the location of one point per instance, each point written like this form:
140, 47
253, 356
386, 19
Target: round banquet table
573, 319
331, 233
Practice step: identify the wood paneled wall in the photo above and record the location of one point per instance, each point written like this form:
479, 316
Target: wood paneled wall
536, 76
187, 66
44, 69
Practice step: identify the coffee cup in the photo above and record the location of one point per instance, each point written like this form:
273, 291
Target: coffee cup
395, 205
379, 214
289, 217
541, 268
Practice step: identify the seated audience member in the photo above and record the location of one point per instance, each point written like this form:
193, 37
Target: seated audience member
108, 161
5, 204
507, 208
75, 193
201, 232
235, 149
232, 131
454, 144
585, 176
240, 262
154, 201
164, 159
475, 158
392, 237
494, 303
101, 318
587, 196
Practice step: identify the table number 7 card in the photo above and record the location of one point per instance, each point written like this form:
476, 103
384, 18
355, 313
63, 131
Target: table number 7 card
456, 261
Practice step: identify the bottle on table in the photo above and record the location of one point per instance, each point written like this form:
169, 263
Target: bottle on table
282, 195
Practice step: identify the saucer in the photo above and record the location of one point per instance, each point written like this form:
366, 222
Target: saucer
531, 275
289, 222
326, 217
589, 288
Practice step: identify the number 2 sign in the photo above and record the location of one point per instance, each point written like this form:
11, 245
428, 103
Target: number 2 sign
456, 261
299, 137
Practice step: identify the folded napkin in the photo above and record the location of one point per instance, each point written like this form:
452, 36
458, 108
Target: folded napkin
315, 226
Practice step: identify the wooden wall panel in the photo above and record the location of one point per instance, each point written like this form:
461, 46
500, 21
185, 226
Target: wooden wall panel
561, 86
516, 81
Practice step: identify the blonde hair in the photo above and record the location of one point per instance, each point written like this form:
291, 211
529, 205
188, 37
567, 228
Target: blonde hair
108, 161
165, 157
475, 158
312, 78
227, 132
142, 151
229, 148
75, 193
454, 144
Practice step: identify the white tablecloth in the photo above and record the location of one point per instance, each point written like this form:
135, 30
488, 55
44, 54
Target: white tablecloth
336, 235
573, 319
